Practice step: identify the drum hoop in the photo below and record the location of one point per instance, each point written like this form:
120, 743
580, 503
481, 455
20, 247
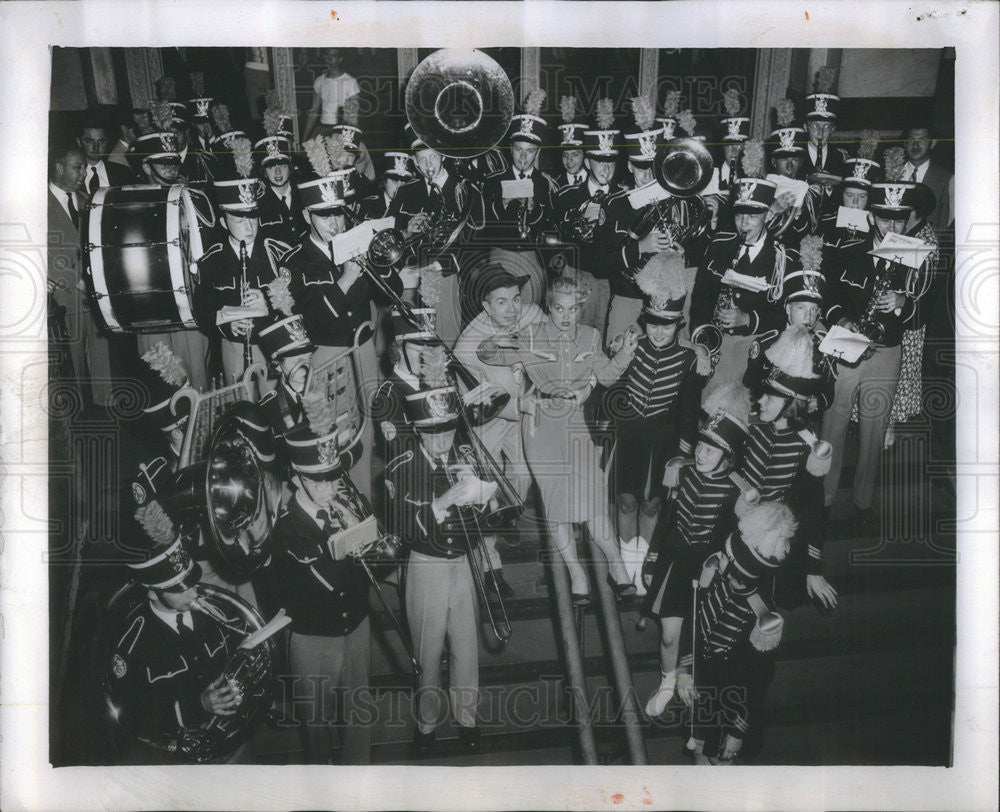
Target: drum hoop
97, 275
175, 257
194, 232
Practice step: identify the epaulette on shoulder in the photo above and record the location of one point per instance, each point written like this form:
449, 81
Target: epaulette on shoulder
131, 636
724, 236
552, 182
292, 252
211, 252
767, 337
621, 193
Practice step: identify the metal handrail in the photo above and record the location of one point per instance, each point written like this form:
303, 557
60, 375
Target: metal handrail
574, 660
620, 671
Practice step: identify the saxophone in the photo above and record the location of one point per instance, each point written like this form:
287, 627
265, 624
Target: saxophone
868, 325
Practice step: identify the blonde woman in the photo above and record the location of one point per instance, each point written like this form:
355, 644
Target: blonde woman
563, 360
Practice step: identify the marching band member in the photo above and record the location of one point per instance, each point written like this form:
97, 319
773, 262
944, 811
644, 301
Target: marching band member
504, 314
425, 485
870, 296
166, 671
564, 359
329, 649
160, 163
855, 185
659, 415
617, 251
803, 301
735, 135
788, 221
571, 145
729, 644
756, 266
336, 301
783, 461
281, 214
703, 518
234, 271
823, 163
396, 173
513, 224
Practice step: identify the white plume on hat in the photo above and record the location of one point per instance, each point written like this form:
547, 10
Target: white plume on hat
731, 398
533, 104
168, 366
567, 109
811, 252
768, 528
156, 523
731, 101
662, 278
752, 158
792, 353
642, 110
605, 115
671, 102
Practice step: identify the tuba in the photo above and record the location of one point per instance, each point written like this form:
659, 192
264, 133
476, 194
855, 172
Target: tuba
460, 103
235, 490
684, 168
251, 667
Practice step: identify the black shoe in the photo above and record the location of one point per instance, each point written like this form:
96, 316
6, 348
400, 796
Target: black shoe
423, 743
622, 591
470, 738
497, 584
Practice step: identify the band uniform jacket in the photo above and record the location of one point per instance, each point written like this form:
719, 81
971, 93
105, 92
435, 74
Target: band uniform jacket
566, 203
502, 226
615, 250
331, 315
220, 272
280, 222
720, 256
759, 366
156, 675
832, 163
412, 481
323, 596
413, 198
851, 284
387, 411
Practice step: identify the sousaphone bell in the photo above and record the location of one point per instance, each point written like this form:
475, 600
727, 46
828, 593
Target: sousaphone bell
459, 102
235, 492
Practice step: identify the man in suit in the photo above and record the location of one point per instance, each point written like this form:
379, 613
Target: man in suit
88, 347
93, 140
920, 142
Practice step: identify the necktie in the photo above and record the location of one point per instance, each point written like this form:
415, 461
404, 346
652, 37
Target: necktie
820, 157
74, 215
913, 174
287, 204
433, 195
744, 254
328, 527
182, 628
94, 183
600, 194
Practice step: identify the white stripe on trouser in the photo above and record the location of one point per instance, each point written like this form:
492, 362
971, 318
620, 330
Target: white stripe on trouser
873, 383
441, 604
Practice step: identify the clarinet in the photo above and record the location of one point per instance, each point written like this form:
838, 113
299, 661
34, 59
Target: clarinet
244, 300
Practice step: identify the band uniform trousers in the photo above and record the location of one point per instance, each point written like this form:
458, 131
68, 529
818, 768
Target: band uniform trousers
367, 385
873, 384
332, 693
733, 357
441, 602
234, 362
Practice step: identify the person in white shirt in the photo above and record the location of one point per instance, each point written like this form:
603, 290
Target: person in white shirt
330, 91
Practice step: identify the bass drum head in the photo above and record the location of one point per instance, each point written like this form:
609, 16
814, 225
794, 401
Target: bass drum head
139, 249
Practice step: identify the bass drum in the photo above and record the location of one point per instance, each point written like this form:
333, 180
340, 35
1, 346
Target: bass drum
141, 244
